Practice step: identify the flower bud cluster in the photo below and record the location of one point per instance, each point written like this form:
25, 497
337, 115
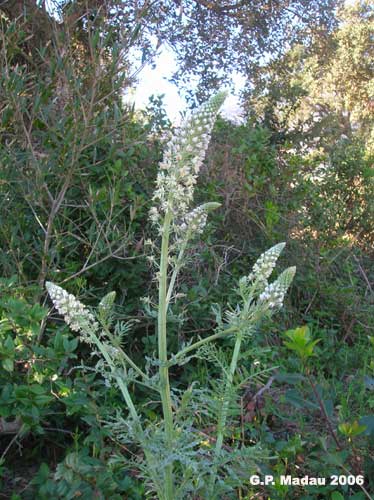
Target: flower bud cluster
182, 161
266, 263
75, 314
194, 221
274, 294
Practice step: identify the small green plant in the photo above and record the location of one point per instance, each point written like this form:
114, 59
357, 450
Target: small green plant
351, 429
179, 458
300, 342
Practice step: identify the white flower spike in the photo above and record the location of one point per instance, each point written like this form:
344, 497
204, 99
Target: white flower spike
273, 295
266, 263
182, 161
76, 314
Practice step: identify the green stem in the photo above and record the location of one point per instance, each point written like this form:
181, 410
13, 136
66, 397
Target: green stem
133, 365
163, 353
121, 384
131, 407
221, 425
225, 405
125, 356
176, 270
201, 342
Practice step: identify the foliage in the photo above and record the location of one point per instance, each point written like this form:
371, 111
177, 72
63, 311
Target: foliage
68, 152
321, 90
299, 170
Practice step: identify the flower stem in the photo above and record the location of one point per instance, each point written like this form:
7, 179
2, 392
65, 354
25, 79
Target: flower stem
121, 384
226, 401
163, 354
132, 410
128, 360
203, 341
177, 267
221, 425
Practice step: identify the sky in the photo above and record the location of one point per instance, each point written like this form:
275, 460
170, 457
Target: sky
155, 81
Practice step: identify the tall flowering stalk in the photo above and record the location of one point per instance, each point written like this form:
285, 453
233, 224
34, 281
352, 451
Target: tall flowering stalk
80, 319
244, 319
174, 193
181, 163
177, 223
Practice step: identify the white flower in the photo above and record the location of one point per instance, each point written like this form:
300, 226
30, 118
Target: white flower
195, 220
76, 315
274, 294
182, 161
265, 264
